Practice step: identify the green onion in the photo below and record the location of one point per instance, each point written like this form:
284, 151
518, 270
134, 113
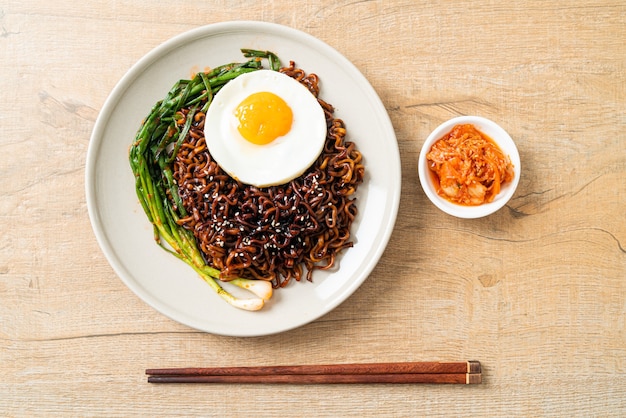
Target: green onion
151, 156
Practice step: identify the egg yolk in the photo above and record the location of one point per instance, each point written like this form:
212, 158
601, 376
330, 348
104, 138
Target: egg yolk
263, 117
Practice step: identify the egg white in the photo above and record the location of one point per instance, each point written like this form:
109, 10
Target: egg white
280, 161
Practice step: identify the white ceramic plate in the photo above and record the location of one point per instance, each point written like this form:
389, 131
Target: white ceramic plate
125, 235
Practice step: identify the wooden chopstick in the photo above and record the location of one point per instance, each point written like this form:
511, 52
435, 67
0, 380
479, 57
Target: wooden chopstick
302, 379
466, 372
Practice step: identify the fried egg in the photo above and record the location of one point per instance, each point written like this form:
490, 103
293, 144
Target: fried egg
265, 128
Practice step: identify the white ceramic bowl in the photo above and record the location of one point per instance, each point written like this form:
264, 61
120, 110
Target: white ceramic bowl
500, 137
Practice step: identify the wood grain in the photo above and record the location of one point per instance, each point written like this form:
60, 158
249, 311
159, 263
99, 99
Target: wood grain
535, 292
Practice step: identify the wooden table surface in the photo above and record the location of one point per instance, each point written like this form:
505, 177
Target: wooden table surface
535, 292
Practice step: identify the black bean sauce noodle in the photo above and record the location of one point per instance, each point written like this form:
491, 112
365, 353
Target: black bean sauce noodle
271, 233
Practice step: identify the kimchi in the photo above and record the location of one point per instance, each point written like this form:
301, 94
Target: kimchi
468, 167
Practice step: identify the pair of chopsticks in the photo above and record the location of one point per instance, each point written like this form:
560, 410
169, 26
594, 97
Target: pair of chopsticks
461, 372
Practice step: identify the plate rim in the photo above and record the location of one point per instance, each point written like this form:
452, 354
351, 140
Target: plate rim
209, 30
